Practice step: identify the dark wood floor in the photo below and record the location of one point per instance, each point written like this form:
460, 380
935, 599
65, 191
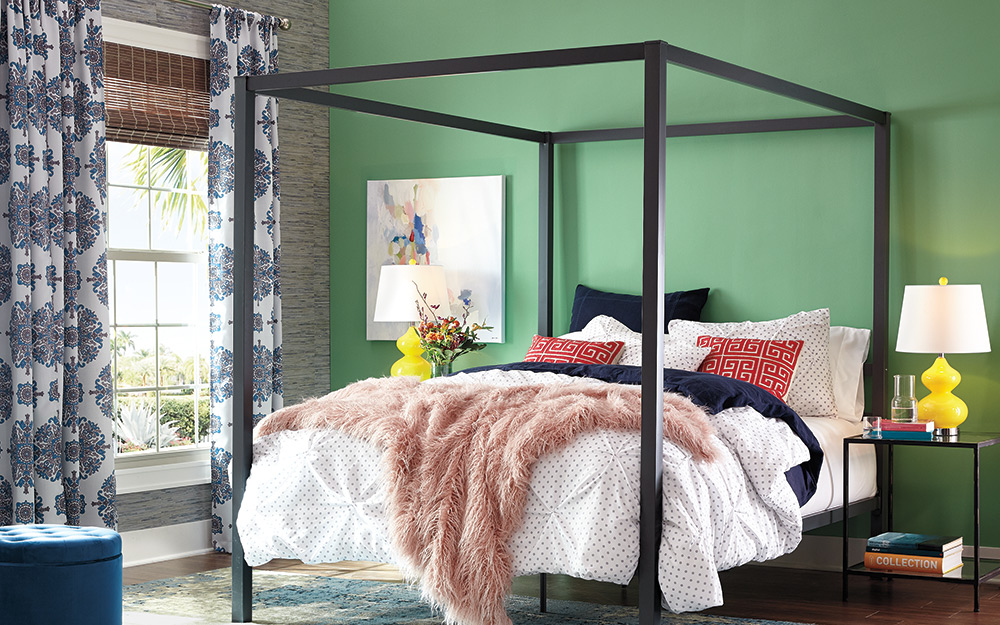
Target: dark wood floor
751, 591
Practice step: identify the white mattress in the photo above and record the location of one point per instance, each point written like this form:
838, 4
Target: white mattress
830, 491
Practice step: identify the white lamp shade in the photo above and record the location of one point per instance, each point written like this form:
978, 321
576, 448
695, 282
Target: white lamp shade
943, 319
397, 292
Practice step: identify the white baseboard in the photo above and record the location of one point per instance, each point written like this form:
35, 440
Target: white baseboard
166, 543
823, 553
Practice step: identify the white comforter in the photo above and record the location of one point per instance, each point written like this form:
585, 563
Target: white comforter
318, 496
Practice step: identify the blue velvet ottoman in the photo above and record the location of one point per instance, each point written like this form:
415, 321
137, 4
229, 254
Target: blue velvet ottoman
60, 575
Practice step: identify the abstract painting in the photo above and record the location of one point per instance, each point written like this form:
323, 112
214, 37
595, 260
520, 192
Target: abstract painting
454, 222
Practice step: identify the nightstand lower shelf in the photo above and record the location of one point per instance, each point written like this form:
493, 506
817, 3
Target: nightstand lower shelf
988, 569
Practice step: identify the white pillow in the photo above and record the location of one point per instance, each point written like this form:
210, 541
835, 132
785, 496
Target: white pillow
676, 354
848, 352
811, 392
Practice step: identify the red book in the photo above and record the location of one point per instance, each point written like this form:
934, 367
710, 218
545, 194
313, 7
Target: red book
915, 426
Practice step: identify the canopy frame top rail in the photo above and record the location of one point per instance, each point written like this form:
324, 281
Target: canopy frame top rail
566, 57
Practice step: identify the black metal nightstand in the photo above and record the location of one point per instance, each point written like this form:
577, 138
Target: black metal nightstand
982, 570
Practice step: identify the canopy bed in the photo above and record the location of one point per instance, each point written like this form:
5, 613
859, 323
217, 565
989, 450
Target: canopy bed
655, 56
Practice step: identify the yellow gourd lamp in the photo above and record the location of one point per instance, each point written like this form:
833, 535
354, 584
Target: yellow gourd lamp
399, 288
412, 363
942, 319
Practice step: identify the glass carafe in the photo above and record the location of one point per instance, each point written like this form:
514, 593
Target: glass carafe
904, 404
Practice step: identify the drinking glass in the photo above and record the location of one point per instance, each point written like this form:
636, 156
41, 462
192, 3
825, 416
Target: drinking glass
871, 427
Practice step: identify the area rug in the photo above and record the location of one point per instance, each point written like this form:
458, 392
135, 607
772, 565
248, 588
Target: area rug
296, 599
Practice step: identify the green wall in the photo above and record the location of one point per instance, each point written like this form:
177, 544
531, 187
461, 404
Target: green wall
773, 223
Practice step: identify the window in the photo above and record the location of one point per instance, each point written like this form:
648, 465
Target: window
157, 257
157, 127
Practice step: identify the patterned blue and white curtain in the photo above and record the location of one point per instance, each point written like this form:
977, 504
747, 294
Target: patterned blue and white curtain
243, 44
56, 448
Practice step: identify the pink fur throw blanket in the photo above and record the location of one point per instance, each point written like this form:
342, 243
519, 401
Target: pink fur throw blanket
458, 459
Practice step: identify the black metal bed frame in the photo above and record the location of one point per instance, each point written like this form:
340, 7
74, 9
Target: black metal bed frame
655, 56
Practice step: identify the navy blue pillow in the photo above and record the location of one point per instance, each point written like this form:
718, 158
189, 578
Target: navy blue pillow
589, 303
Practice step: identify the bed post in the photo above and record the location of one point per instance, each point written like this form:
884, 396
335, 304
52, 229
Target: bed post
880, 311
546, 155
880, 282
654, 135
242, 417
545, 235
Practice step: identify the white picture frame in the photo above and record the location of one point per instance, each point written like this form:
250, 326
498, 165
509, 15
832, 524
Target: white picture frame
454, 222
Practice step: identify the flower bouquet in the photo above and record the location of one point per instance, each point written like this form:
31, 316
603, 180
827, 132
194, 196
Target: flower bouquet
446, 338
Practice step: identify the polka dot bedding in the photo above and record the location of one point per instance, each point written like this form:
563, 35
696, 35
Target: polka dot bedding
318, 496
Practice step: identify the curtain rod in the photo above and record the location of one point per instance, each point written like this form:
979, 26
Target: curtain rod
283, 23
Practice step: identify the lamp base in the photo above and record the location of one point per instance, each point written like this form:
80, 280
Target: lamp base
947, 433
942, 407
411, 363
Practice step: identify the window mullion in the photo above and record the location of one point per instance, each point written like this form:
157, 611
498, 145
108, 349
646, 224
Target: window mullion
149, 198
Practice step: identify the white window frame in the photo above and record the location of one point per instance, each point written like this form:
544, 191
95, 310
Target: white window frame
201, 390
155, 38
181, 467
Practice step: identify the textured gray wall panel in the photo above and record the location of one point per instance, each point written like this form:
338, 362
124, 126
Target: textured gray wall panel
304, 137
168, 506
161, 13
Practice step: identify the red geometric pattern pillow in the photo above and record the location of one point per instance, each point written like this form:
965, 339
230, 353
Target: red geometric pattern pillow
767, 364
551, 349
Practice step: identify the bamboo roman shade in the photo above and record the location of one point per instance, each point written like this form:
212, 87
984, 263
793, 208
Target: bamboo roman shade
155, 98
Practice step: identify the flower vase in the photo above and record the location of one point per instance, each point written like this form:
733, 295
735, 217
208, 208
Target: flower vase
439, 369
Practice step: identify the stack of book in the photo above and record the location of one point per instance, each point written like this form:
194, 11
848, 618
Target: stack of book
915, 430
915, 553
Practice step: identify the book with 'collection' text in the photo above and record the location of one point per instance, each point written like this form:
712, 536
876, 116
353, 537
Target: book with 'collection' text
904, 563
